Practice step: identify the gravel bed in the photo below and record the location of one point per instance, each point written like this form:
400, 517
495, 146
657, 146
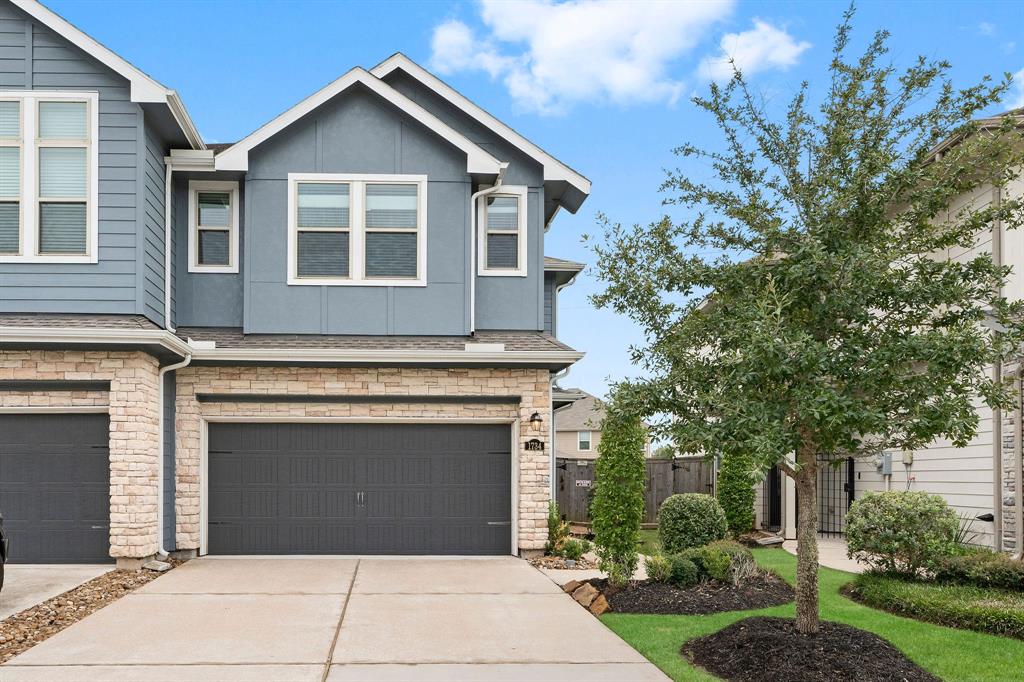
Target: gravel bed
25, 629
582, 563
765, 648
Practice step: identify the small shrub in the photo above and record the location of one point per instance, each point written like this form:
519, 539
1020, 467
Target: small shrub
736, 492
659, 568
683, 572
742, 566
617, 507
558, 530
716, 563
690, 520
982, 568
997, 612
572, 549
901, 532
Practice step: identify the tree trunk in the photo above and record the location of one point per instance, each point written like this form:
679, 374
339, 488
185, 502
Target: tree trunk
806, 480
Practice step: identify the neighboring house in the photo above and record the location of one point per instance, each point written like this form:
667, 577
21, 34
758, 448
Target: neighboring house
976, 480
333, 336
578, 425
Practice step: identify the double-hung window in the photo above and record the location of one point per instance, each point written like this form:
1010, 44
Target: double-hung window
503, 242
583, 440
213, 226
350, 229
48, 168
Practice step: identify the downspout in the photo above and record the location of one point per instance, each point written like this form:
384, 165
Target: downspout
163, 449
168, 171
997, 413
473, 243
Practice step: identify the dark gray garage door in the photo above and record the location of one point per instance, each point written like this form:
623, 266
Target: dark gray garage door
55, 487
359, 489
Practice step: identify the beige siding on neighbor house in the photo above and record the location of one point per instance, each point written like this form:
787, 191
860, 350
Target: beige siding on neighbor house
566, 444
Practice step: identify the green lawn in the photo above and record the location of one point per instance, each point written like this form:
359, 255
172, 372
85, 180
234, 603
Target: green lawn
950, 654
649, 542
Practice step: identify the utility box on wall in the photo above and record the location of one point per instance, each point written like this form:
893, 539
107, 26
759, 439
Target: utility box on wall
883, 464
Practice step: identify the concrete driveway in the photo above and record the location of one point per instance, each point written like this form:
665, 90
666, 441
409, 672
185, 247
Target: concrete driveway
339, 619
26, 585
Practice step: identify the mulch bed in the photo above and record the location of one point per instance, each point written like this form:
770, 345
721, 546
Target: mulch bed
558, 562
764, 648
646, 596
25, 629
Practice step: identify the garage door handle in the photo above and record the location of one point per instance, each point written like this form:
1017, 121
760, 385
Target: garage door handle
499, 523
98, 527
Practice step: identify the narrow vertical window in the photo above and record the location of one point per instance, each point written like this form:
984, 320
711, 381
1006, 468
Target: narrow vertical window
63, 187
583, 441
391, 230
503, 240
213, 226
10, 177
323, 234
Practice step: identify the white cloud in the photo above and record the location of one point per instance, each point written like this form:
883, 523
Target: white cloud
1015, 98
986, 28
759, 49
552, 55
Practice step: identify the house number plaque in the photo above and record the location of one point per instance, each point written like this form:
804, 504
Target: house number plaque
535, 445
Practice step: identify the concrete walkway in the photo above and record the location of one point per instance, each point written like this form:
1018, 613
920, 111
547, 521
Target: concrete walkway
339, 619
831, 554
26, 585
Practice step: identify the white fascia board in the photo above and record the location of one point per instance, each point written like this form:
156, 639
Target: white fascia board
236, 157
454, 357
143, 88
83, 335
554, 170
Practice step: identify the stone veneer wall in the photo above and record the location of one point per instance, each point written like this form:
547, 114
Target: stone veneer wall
134, 428
1008, 508
532, 385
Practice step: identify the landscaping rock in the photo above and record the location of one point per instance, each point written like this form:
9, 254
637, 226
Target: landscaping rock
599, 605
585, 594
571, 586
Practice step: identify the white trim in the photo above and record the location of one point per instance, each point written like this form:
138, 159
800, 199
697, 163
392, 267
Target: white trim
357, 230
30, 199
554, 169
236, 157
65, 409
143, 88
204, 456
194, 187
521, 193
590, 441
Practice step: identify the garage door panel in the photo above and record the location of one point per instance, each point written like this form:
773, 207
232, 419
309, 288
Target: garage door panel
55, 487
359, 489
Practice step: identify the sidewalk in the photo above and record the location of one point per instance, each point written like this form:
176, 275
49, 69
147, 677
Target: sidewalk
831, 554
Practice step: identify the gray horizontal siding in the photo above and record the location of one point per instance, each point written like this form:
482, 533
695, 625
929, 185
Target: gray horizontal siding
123, 281
152, 206
549, 303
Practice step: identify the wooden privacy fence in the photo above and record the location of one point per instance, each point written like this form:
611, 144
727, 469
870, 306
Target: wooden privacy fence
664, 477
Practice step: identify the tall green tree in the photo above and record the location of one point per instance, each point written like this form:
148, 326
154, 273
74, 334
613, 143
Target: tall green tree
800, 302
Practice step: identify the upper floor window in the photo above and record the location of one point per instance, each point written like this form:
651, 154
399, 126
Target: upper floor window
48, 176
213, 226
348, 229
583, 441
503, 244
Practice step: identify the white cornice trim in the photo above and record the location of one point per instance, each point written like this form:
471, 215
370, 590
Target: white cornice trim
199, 353
554, 169
144, 89
236, 157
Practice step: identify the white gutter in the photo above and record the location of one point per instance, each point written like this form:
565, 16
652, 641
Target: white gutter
163, 450
168, 171
72, 335
473, 243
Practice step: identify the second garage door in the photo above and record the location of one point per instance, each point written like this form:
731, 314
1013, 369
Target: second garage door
305, 488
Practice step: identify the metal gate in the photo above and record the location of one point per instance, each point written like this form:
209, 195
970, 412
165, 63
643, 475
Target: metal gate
835, 494
771, 501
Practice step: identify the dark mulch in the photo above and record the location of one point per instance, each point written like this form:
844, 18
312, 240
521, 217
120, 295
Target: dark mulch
22, 631
646, 596
764, 648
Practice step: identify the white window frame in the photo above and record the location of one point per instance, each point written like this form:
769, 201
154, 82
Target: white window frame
521, 270
19, 144
357, 230
30, 145
194, 188
589, 439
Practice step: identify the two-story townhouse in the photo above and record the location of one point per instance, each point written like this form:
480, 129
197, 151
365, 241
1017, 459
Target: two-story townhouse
335, 335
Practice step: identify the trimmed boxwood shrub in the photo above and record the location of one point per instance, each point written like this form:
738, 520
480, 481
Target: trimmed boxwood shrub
658, 567
722, 560
683, 572
983, 568
901, 532
690, 520
735, 491
997, 612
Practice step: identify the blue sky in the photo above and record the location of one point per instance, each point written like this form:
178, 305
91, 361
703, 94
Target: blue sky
603, 86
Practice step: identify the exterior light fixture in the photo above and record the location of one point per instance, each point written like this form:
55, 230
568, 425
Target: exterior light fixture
535, 420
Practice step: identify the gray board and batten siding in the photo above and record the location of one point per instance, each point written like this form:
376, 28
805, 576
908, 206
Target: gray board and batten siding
128, 279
